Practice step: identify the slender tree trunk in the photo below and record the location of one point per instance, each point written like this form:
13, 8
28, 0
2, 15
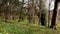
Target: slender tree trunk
19, 19
53, 23
29, 12
5, 17
0, 13
49, 13
39, 15
28, 15
48, 18
32, 11
13, 17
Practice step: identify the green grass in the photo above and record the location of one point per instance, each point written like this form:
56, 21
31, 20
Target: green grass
14, 27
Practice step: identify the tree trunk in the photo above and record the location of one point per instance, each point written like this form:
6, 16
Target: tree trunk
0, 13
53, 22
19, 19
39, 15
49, 14
13, 18
6, 17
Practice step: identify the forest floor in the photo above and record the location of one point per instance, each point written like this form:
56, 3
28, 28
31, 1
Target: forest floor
14, 27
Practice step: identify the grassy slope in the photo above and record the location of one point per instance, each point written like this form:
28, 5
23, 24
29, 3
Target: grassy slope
13, 27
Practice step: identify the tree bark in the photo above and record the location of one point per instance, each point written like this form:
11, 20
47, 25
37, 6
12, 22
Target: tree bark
49, 14
39, 15
53, 22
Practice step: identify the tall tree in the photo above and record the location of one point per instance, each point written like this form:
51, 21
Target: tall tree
39, 14
32, 11
49, 13
53, 23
